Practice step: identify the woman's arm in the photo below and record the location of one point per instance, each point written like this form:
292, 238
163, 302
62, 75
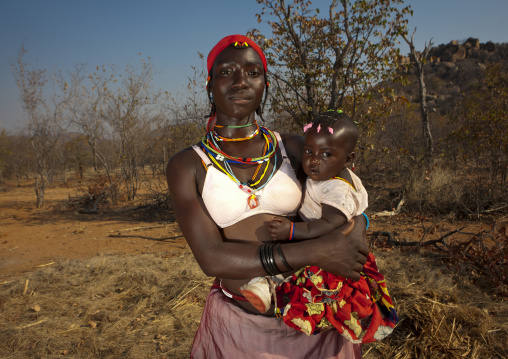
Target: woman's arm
214, 256
334, 253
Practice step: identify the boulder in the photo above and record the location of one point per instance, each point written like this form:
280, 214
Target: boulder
489, 46
459, 55
473, 42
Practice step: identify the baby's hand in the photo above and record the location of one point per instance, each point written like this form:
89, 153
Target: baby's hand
279, 228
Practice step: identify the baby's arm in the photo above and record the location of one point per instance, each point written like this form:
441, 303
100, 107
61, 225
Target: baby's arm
331, 218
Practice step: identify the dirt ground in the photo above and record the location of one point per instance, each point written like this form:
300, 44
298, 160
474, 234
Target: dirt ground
32, 237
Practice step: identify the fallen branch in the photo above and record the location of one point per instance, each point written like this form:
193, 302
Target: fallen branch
45, 265
395, 212
143, 237
494, 209
433, 242
32, 324
141, 228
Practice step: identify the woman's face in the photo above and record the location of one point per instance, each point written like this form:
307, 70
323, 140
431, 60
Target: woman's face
324, 155
238, 83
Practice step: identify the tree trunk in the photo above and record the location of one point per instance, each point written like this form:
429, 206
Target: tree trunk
427, 135
39, 190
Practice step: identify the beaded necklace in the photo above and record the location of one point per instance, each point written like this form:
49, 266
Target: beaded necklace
344, 180
211, 147
252, 200
217, 137
236, 126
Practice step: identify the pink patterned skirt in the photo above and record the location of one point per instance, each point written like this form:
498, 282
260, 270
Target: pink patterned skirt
228, 331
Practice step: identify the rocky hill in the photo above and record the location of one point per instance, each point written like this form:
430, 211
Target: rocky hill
452, 69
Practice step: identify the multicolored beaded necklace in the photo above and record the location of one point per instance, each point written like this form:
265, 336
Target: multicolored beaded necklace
211, 147
216, 155
217, 137
236, 126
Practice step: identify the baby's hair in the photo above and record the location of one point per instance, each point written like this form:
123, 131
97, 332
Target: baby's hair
333, 121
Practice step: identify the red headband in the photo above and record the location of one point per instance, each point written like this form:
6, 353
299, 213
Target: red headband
228, 40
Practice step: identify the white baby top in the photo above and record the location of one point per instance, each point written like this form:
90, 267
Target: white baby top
335, 193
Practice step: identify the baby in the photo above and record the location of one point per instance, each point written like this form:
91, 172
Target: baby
312, 300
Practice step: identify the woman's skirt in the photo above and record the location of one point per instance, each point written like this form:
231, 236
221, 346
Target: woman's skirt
228, 331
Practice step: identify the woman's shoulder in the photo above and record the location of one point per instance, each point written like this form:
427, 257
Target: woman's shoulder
185, 159
293, 144
294, 149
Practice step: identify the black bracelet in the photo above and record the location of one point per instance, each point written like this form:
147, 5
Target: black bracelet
262, 257
268, 260
283, 257
271, 260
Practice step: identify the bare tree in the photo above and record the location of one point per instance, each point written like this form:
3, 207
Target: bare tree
418, 59
46, 117
88, 111
326, 60
188, 112
132, 112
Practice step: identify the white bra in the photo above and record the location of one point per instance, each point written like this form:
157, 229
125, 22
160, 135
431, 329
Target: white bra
228, 204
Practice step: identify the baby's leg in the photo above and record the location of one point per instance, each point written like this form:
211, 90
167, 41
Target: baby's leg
258, 293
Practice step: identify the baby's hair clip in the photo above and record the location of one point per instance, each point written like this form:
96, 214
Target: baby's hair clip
307, 126
319, 128
331, 130
338, 111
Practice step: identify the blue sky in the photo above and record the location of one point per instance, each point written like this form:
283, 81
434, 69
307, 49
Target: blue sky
58, 34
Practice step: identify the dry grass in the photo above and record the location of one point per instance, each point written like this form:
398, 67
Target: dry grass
439, 191
148, 306
142, 306
442, 315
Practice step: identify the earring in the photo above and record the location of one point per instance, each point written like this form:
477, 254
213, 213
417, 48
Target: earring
353, 167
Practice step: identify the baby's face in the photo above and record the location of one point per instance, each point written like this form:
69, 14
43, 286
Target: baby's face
324, 155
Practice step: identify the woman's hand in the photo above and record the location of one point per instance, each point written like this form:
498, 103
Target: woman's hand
334, 252
347, 254
351, 239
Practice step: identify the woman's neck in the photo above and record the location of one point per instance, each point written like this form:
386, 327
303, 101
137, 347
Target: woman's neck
235, 128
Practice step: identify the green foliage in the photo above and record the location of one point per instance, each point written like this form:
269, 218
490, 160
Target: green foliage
326, 60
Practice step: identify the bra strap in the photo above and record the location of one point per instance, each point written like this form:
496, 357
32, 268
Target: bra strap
281, 145
203, 155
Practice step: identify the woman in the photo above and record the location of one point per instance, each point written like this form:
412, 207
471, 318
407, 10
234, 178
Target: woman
225, 191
